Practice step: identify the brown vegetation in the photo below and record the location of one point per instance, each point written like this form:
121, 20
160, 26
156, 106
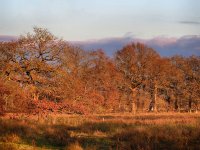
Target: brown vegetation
40, 73
142, 131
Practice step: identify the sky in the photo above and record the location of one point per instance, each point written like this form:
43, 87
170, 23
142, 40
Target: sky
95, 19
90, 20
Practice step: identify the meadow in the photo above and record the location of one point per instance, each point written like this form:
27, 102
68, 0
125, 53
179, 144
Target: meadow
144, 131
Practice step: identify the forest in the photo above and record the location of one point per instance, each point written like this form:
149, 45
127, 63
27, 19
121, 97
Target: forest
40, 73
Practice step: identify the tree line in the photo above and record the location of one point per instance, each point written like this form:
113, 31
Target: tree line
40, 72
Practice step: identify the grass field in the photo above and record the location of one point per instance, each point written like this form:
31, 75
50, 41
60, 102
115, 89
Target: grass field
98, 132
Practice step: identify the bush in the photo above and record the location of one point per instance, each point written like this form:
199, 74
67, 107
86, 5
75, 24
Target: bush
13, 138
3, 91
12, 97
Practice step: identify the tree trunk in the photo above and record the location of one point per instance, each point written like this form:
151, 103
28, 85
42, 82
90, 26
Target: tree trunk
35, 96
153, 102
133, 102
155, 98
6, 104
190, 105
196, 106
176, 107
139, 101
133, 107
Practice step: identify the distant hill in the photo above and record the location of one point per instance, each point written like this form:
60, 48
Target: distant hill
186, 45
7, 38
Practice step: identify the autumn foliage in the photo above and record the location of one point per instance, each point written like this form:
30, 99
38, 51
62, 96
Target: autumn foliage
43, 74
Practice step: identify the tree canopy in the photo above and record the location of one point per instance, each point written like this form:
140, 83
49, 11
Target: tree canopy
46, 72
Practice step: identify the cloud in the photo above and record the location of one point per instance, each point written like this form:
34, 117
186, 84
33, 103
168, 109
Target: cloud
185, 45
190, 22
7, 38
166, 46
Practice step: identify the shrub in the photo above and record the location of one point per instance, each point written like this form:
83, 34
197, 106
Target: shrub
13, 138
12, 97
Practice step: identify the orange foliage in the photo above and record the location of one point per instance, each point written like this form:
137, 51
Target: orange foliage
41, 73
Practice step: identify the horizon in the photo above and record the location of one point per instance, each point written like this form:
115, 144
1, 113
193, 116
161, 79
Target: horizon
165, 46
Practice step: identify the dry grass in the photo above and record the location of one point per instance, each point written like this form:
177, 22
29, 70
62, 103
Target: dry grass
110, 131
74, 146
